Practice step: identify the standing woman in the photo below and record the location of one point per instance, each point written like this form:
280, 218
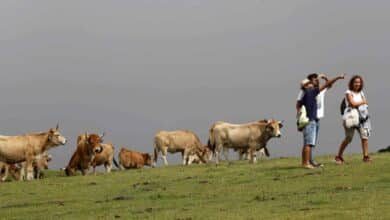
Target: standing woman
355, 99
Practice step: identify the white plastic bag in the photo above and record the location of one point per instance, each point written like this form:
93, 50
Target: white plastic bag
351, 118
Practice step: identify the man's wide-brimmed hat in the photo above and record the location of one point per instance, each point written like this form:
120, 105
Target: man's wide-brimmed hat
305, 82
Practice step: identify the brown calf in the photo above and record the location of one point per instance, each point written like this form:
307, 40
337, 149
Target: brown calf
133, 160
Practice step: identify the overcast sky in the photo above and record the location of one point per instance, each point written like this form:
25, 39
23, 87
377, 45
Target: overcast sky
131, 68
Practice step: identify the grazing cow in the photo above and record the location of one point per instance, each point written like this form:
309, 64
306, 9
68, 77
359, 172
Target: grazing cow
250, 136
185, 142
129, 159
88, 145
25, 148
104, 158
201, 155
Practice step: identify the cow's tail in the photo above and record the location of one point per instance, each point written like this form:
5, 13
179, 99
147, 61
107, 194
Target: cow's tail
211, 141
116, 163
155, 156
266, 152
156, 151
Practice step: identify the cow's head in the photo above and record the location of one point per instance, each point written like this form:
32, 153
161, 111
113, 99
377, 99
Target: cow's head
55, 138
206, 154
68, 171
148, 159
42, 162
94, 142
15, 172
273, 128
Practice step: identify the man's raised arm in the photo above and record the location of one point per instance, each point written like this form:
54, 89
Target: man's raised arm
330, 82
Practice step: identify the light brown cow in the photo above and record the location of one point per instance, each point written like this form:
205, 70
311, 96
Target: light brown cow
184, 142
250, 136
129, 159
88, 145
201, 155
105, 158
24, 148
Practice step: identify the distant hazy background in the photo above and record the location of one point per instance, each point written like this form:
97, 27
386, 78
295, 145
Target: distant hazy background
131, 68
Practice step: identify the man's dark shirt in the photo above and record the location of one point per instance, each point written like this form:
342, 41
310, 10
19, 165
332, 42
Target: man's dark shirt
309, 100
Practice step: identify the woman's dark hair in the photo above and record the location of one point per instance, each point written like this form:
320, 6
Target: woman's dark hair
353, 80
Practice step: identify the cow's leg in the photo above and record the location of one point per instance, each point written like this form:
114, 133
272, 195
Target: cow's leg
164, 153
248, 154
108, 167
6, 169
186, 157
84, 171
253, 155
216, 155
29, 170
22, 172
262, 153
226, 154
217, 152
241, 155
192, 158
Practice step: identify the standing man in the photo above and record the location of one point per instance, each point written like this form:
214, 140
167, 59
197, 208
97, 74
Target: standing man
320, 108
309, 100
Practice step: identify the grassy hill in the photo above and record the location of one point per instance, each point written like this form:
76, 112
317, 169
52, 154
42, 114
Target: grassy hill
272, 189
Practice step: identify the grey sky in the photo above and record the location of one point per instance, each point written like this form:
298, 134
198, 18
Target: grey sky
131, 68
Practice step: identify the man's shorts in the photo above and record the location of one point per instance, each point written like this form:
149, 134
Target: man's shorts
310, 133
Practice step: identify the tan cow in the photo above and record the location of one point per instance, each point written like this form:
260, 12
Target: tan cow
201, 155
88, 145
185, 142
250, 136
25, 148
105, 158
129, 159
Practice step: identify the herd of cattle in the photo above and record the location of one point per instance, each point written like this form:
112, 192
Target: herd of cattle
25, 157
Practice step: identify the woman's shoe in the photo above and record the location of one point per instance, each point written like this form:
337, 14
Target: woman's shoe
339, 160
367, 159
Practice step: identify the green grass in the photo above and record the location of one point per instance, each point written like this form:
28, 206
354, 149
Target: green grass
271, 189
